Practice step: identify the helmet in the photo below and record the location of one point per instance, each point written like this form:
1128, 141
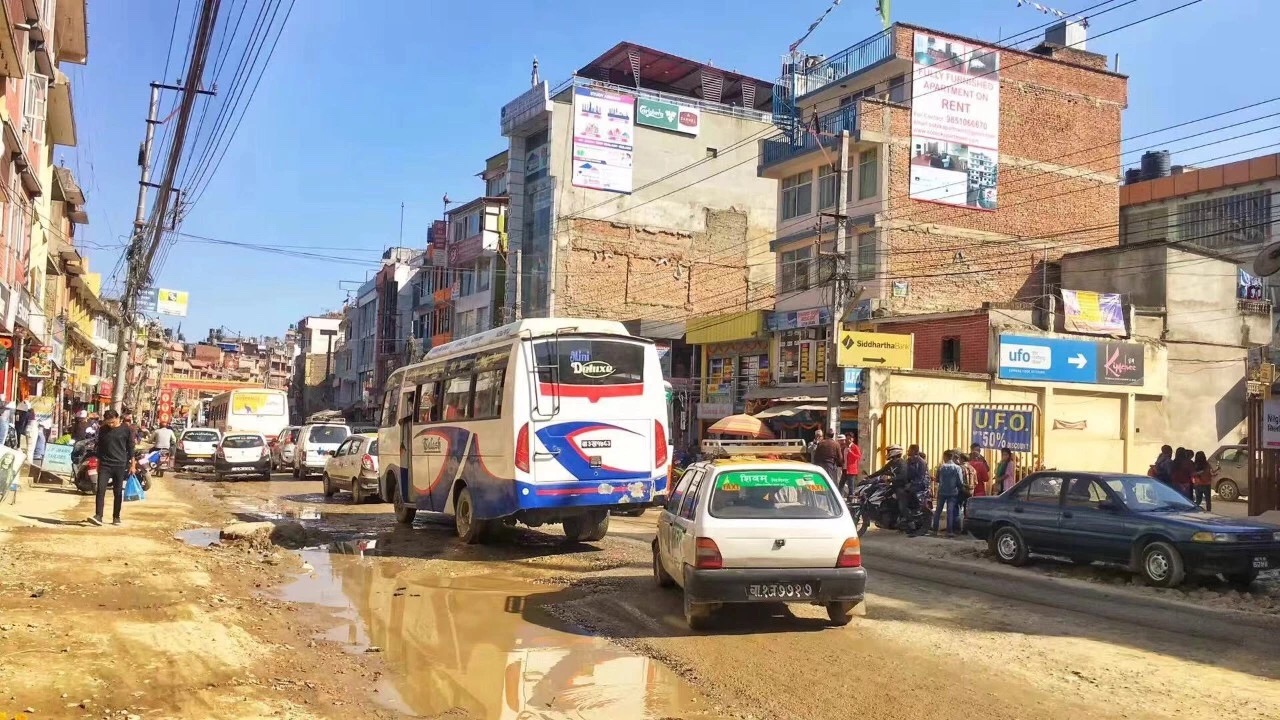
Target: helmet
895, 451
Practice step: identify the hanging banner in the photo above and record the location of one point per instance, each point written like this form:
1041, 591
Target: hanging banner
1248, 287
1271, 424
1000, 428
163, 302
603, 136
1093, 313
955, 122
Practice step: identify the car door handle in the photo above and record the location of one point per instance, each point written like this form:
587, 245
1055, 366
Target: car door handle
1067, 514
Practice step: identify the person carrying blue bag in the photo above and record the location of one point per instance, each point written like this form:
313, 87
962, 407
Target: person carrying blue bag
115, 465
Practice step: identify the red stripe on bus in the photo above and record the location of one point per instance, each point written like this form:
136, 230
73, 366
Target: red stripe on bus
593, 392
576, 491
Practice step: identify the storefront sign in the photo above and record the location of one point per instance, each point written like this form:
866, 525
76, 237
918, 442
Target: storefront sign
999, 428
803, 318
1271, 423
875, 350
39, 365
668, 116
163, 301
57, 459
955, 122
603, 139
1025, 357
714, 410
527, 106
852, 381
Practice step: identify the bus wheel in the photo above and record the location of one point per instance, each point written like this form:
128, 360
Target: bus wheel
587, 527
470, 530
404, 513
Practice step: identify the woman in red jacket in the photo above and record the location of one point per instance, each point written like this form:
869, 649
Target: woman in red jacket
852, 461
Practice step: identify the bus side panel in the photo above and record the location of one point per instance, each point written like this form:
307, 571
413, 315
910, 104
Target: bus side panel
487, 469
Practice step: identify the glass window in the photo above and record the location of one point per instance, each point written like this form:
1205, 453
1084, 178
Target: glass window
488, 394
457, 398
200, 436
1085, 492
1044, 489
344, 448
388, 406
797, 195
868, 174
1234, 455
867, 256
677, 494
827, 187
898, 89
1144, 494
373, 448
328, 434
689, 507
428, 409
794, 269
482, 274
242, 441
584, 361
774, 494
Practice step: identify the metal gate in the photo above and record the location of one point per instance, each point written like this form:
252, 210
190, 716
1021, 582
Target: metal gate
937, 427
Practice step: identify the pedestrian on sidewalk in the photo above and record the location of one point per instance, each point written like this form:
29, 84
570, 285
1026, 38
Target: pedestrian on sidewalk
1202, 482
950, 481
1183, 469
983, 470
1006, 471
1162, 468
114, 451
818, 435
829, 456
852, 462
970, 479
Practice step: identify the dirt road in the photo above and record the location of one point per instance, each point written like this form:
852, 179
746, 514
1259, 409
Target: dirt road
407, 620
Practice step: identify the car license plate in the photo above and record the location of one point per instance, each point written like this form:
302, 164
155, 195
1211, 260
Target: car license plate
782, 591
1261, 562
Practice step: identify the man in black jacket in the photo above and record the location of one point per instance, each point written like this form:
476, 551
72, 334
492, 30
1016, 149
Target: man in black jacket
115, 462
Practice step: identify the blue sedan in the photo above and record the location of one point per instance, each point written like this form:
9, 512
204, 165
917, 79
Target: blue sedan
1132, 520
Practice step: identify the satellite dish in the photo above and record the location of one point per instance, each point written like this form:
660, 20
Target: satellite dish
1267, 262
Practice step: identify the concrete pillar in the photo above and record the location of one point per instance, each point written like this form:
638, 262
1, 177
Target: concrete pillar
1128, 420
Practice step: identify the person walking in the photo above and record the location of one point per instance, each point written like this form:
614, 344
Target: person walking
829, 456
1202, 481
114, 451
978, 462
1006, 471
950, 482
852, 463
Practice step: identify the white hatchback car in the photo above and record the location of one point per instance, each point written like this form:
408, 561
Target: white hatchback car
315, 442
748, 529
243, 453
354, 467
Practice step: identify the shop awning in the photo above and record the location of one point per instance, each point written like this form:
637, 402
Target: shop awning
781, 410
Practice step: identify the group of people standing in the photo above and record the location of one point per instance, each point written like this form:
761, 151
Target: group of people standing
964, 475
840, 456
1186, 471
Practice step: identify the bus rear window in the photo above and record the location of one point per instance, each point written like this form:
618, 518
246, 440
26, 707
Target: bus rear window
588, 361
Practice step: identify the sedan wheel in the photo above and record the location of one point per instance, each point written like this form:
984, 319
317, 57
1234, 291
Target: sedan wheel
1008, 546
1162, 565
660, 575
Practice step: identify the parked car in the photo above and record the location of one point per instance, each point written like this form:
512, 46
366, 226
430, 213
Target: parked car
315, 442
196, 448
354, 467
283, 446
1230, 464
747, 530
1132, 520
243, 453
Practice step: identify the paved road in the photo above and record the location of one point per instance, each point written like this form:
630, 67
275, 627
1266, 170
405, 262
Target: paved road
520, 626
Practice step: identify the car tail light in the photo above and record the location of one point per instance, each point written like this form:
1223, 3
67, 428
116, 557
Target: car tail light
266, 452
93, 463
659, 444
366, 462
850, 554
707, 556
522, 448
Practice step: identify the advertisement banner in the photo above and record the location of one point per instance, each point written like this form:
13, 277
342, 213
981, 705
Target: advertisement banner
530, 104
603, 136
1093, 313
1248, 287
955, 122
164, 302
668, 116
1271, 424
998, 428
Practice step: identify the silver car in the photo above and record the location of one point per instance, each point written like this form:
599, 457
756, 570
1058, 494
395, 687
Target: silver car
1230, 464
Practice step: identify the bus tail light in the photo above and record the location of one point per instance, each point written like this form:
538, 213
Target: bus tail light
659, 444
522, 449
707, 555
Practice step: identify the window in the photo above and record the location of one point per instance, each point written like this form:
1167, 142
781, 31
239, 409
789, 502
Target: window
797, 195
677, 494
466, 282
388, 404
712, 153
794, 269
1084, 492
428, 409
868, 174
1226, 222
951, 353
457, 398
898, 89
242, 441
328, 434
582, 361
1234, 455
867, 256
36, 109
1044, 490
482, 274
689, 507
488, 395
827, 187
773, 494
344, 448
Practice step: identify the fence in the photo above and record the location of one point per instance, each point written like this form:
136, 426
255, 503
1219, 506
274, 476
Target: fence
938, 427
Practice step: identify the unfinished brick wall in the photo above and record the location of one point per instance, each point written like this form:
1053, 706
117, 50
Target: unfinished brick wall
619, 271
1057, 188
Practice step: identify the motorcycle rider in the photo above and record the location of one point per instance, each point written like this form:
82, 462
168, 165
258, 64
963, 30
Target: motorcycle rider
162, 437
917, 472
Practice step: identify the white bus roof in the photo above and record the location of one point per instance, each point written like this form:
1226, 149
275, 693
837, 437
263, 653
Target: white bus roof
532, 327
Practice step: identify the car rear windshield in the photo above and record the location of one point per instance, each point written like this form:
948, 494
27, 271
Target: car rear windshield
588, 361
201, 436
773, 494
242, 441
373, 448
328, 434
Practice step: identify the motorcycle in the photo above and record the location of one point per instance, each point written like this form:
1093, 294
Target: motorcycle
160, 460
875, 501
143, 462
86, 466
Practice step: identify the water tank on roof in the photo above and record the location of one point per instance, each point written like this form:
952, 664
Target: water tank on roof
1132, 175
1155, 164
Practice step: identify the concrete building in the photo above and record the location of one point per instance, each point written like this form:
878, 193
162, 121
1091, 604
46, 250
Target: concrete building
966, 214
477, 262
633, 191
311, 389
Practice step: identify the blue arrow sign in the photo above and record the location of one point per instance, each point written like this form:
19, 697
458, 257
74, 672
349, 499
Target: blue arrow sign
1093, 362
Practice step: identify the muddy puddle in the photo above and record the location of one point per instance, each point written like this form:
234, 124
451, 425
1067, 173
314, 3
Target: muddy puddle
478, 646
199, 537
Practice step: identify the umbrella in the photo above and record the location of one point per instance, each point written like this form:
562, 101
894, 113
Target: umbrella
742, 425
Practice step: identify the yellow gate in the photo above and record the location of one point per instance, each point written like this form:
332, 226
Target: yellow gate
937, 427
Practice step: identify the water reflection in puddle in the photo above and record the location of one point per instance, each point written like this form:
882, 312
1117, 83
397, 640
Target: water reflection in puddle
199, 537
467, 645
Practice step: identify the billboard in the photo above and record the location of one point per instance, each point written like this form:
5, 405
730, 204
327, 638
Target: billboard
668, 116
955, 122
603, 136
163, 301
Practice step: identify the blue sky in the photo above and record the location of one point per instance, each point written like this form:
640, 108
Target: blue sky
369, 104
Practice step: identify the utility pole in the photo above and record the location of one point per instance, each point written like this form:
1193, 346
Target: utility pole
518, 305
141, 252
844, 291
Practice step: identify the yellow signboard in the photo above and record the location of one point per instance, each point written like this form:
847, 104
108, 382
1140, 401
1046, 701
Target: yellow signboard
874, 350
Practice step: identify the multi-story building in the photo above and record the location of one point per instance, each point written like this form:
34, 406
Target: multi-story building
477, 264
315, 364
633, 191
37, 114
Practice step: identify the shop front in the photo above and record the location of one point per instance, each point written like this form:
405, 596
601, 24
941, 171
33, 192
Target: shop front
735, 359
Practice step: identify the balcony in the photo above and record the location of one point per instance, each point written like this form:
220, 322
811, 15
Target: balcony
876, 49
824, 133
